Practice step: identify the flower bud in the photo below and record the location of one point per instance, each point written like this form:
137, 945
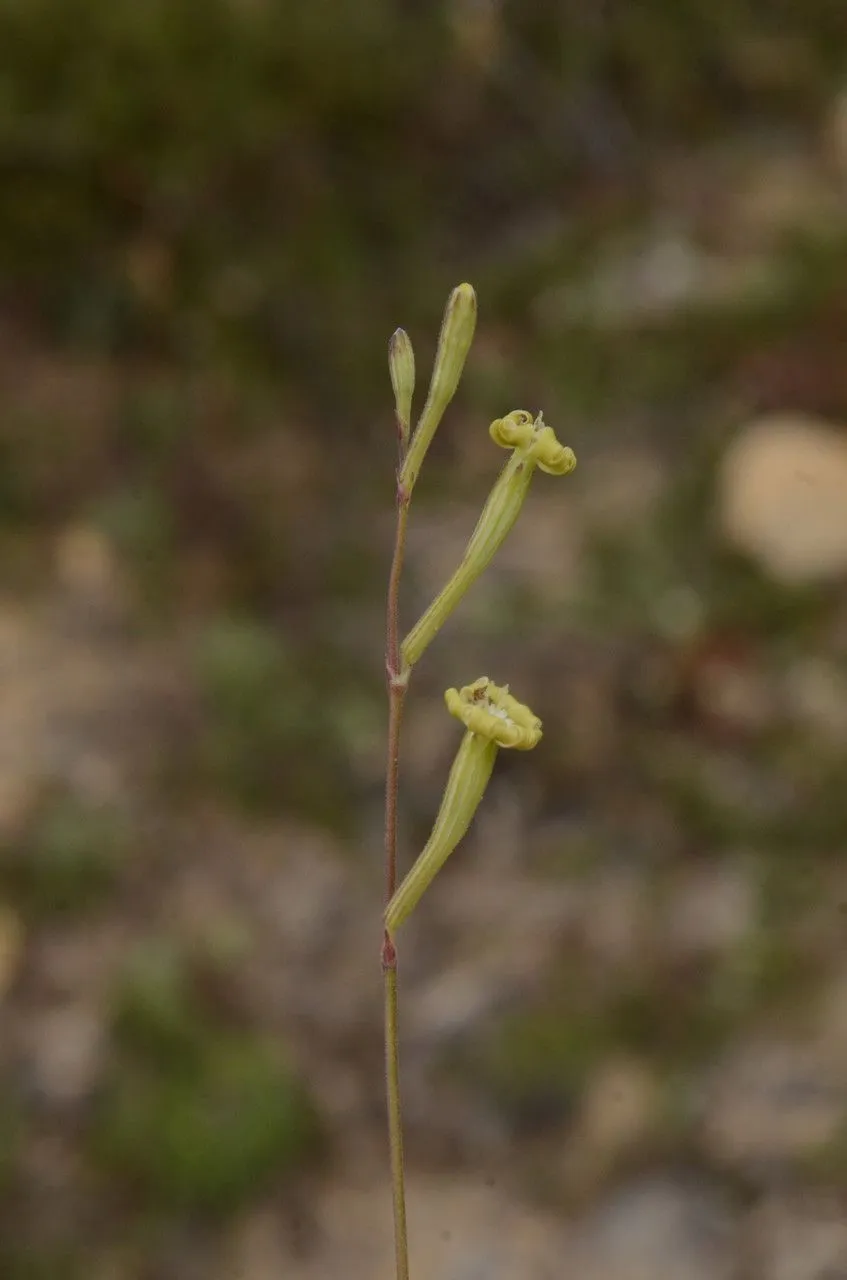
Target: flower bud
401, 366
454, 340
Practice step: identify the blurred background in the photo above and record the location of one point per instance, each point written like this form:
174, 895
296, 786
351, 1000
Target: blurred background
625, 1001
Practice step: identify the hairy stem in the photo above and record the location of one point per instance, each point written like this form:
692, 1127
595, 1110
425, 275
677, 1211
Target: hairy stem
397, 682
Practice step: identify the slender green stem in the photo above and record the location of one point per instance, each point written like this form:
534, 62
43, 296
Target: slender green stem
397, 682
395, 1121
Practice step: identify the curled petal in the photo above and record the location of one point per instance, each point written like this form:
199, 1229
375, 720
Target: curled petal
515, 431
518, 430
490, 710
554, 458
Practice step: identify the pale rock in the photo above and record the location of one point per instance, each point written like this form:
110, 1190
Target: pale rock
84, 561
620, 488
81, 707
800, 1237
712, 909
656, 1227
66, 1048
258, 1248
654, 275
816, 695
457, 1231
92, 591
782, 497
616, 1116
780, 194
772, 1103
452, 1002
617, 917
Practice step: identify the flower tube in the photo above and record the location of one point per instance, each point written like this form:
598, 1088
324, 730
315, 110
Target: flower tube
492, 719
534, 444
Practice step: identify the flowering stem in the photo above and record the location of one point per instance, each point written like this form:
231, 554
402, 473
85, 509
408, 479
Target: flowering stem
397, 682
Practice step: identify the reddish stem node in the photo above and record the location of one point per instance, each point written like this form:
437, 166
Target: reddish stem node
388, 954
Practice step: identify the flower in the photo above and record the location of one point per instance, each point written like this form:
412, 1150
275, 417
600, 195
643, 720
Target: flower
533, 444
492, 719
490, 711
535, 439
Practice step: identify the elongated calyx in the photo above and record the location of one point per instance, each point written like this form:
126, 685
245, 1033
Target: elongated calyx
454, 341
533, 444
492, 719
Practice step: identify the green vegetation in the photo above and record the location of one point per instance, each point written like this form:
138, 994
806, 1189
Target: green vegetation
211, 214
196, 1114
270, 738
34, 1261
207, 1139
68, 859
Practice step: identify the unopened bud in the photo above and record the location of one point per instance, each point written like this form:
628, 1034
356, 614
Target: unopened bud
401, 366
457, 330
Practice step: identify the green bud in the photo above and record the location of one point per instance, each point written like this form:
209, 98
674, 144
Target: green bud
457, 330
401, 365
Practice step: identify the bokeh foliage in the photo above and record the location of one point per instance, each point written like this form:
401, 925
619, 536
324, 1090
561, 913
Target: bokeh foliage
213, 213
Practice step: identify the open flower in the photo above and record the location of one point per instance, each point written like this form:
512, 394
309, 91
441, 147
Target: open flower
534, 444
538, 442
492, 719
490, 711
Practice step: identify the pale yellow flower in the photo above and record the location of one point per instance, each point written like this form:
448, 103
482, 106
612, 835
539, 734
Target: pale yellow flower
535, 439
534, 444
492, 719
490, 711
